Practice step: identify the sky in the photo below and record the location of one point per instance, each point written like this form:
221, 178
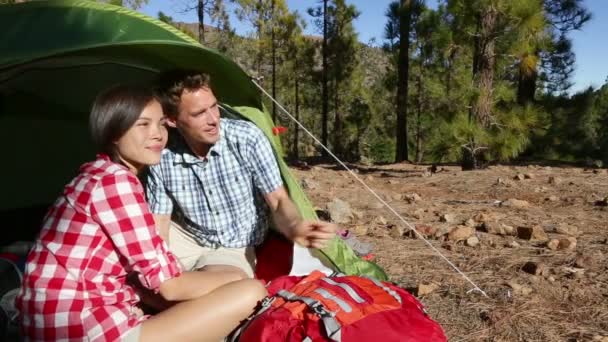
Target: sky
591, 49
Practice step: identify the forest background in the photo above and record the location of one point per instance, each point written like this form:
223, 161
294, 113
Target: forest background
455, 81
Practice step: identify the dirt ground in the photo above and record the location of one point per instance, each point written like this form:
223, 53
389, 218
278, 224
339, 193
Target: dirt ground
540, 254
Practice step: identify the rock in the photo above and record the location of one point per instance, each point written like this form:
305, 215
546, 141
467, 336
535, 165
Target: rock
361, 230
397, 197
514, 203
574, 271
484, 217
309, 184
602, 202
411, 198
513, 244
600, 338
396, 232
566, 229
460, 233
492, 228
448, 218
425, 289
339, 211
369, 178
519, 289
551, 279
535, 268
555, 180
505, 182
519, 177
380, 220
508, 230
358, 214
418, 214
426, 230
528, 176
568, 244
552, 199
584, 261
471, 223
472, 241
553, 244
535, 233
393, 182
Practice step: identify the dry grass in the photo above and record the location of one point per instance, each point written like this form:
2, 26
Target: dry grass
559, 306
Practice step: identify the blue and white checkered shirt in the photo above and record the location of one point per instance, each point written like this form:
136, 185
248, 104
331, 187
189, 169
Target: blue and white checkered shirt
221, 197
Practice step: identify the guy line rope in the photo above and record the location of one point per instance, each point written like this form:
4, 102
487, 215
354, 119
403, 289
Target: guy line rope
475, 287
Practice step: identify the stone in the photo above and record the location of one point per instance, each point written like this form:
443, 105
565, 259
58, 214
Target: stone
471, 223
361, 230
514, 203
460, 233
553, 244
339, 211
426, 230
554, 180
309, 184
505, 182
513, 244
519, 289
397, 197
418, 214
535, 233
425, 289
508, 230
602, 202
519, 177
472, 241
411, 198
358, 214
566, 229
492, 228
528, 176
534, 268
584, 261
381, 221
396, 232
448, 218
484, 217
568, 244
552, 199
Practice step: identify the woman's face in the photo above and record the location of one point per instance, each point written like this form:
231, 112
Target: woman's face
142, 144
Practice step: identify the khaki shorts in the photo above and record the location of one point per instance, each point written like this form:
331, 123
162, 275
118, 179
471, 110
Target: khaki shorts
133, 334
193, 256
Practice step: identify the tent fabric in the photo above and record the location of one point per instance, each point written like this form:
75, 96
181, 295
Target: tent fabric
57, 55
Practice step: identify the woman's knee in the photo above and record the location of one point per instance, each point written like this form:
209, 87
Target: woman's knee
252, 290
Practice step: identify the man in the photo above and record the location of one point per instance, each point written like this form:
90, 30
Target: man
220, 180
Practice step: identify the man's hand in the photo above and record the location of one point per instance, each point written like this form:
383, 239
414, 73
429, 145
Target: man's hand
313, 234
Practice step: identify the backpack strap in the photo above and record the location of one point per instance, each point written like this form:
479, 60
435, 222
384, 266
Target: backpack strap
333, 329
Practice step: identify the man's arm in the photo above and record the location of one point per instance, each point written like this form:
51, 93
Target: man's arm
287, 219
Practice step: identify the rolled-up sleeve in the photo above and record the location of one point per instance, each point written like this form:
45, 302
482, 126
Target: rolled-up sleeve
119, 206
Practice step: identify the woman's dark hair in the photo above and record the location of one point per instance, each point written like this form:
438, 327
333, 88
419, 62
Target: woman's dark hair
114, 111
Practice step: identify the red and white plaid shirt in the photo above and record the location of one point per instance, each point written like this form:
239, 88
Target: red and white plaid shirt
75, 284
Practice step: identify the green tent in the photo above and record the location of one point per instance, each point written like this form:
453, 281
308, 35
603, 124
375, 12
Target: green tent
57, 55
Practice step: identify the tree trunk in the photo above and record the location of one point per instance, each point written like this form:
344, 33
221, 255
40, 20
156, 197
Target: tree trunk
324, 81
201, 21
274, 64
337, 123
419, 117
295, 151
403, 70
485, 63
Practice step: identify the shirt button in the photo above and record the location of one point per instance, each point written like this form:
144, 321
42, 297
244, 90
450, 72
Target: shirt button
217, 213
210, 192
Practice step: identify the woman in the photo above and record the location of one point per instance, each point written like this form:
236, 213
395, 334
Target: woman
75, 285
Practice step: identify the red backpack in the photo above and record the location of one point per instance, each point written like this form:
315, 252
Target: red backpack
343, 308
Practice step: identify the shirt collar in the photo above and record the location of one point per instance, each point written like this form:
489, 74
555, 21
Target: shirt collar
182, 154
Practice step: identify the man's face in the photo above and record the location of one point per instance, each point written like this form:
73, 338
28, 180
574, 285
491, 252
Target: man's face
198, 119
